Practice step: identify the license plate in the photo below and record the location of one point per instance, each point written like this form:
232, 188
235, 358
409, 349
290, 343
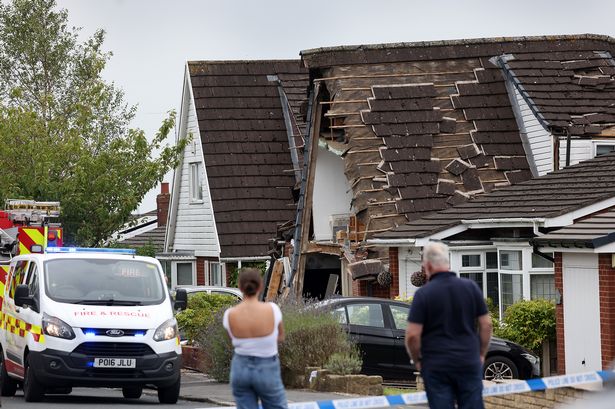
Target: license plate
115, 363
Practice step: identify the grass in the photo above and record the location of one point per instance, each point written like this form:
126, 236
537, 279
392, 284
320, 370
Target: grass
397, 391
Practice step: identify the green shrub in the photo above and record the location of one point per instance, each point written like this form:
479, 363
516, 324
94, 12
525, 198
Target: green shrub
202, 308
348, 363
529, 323
312, 337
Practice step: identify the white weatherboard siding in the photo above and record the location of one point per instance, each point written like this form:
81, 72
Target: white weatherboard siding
537, 141
581, 313
194, 225
580, 150
332, 194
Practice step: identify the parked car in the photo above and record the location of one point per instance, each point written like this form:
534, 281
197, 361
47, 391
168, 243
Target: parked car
210, 289
378, 326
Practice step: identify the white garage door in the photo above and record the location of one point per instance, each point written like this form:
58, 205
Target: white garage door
581, 312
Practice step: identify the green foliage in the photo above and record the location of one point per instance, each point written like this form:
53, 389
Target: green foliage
494, 311
312, 337
529, 323
201, 312
65, 131
347, 363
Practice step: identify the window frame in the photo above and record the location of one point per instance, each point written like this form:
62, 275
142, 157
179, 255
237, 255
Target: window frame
601, 143
366, 303
195, 169
174, 264
480, 254
209, 277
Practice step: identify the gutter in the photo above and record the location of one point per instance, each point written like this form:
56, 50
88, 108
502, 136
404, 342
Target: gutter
386, 242
253, 258
511, 220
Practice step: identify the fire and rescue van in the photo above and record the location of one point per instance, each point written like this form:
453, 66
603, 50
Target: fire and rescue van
81, 317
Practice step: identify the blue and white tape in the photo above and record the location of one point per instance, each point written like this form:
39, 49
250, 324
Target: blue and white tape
538, 384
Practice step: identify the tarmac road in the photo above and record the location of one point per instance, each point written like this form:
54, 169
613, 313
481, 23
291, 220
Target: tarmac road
96, 398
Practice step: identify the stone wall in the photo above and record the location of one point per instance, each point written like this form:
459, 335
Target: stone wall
550, 398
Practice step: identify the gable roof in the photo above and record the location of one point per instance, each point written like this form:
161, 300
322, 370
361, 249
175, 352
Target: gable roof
246, 146
554, 194
427, 125
154, 237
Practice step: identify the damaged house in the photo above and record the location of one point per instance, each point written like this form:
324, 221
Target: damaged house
399, 131
235, 182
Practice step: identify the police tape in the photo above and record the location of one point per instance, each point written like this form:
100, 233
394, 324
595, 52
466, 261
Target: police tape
531, 385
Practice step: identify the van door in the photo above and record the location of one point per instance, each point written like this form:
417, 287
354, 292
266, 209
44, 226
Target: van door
10, 323
28, 316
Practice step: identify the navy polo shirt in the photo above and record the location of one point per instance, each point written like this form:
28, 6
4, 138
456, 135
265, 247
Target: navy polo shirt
448, 307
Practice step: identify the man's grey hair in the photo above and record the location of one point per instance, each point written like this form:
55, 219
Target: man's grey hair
436, 254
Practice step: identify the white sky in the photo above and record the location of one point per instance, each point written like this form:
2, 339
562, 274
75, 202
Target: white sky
152, 39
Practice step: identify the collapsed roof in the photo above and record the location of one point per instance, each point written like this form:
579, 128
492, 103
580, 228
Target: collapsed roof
424, 126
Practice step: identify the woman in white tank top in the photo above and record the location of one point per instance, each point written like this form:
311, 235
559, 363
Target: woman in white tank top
255, 329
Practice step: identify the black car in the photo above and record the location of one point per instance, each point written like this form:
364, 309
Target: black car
378, 326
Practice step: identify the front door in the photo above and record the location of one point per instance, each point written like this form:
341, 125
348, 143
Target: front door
581, 312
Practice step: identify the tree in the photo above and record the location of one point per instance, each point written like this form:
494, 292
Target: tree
65, 131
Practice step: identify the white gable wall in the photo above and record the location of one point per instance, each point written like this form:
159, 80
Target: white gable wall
537, 141
332, 194
192, 225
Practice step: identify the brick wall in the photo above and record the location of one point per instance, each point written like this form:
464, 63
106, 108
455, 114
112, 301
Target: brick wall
606, 277
542, 399
360, 287
200, 270
559, 315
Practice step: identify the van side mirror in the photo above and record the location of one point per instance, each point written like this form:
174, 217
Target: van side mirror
23, 297
181, 299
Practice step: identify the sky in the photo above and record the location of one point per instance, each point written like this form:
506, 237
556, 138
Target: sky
151, 40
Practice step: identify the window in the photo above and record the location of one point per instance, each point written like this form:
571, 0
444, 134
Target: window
492, 260
227, 294
400, 316
470, 260
541, 262
493, 288
476, 277
166, 268
19, 273
542, 286
184, 274
216, 274
196, 183
368, 315
512, 289
604, 149
340, 315
511, 260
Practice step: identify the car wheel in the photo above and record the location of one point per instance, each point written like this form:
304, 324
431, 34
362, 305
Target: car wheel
169, 394
498, 368
33, 390
132, 393
9, 385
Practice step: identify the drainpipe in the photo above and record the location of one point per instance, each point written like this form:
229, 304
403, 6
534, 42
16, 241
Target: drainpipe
567, 147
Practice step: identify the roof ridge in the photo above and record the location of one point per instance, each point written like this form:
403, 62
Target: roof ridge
470, 41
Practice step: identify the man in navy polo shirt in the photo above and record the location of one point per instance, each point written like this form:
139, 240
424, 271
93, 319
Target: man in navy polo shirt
442, 336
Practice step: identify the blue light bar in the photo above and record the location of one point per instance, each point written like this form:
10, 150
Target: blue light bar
90, 250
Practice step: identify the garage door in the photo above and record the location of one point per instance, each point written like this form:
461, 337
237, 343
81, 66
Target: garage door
581, 312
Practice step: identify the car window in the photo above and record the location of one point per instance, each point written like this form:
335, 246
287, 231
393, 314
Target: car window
19, 273
227, 293
340, 315
368, 315
400, 316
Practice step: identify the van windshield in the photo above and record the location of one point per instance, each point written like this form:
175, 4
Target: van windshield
103, 282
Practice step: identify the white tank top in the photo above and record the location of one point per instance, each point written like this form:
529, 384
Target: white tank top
261, 347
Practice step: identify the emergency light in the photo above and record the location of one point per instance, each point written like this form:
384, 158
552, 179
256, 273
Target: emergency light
130, 252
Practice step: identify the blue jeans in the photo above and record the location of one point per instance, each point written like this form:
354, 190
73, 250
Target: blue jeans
253, 378
444, 388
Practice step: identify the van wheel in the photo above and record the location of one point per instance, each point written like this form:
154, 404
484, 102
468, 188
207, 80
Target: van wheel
8, 385
132, 393
169, 394
33, 390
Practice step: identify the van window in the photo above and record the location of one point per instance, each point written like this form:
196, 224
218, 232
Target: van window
104, 282
19, 273
32, 280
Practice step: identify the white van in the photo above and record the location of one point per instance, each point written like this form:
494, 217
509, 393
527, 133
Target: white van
88, 318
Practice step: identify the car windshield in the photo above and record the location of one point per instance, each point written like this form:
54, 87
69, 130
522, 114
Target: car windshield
103, 282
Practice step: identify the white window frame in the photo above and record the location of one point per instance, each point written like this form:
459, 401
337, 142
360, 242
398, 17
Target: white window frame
174, 264
195, 169
481, 266
209, 280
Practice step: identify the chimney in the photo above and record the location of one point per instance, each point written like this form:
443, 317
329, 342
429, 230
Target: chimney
162, 203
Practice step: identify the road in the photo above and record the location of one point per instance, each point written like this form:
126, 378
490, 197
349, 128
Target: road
96, 398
